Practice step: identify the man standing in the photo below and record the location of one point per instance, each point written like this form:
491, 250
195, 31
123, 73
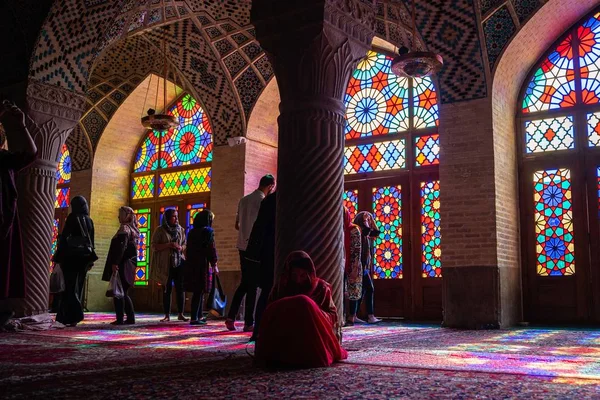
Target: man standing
247, 212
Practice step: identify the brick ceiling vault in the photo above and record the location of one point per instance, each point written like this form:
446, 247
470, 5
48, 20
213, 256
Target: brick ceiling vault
213, 48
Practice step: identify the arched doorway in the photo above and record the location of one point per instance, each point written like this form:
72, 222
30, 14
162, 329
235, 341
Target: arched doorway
559, 174
391, 170
171, 170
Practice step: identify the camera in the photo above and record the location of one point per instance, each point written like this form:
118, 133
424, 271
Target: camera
236, 141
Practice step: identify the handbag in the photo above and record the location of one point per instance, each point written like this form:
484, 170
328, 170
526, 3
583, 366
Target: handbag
217, 299
57, 280
115, 288
81, 246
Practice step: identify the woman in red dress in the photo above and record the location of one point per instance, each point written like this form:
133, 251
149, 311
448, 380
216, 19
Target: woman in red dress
299, 326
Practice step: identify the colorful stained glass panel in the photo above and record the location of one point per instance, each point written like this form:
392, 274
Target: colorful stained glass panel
426, 111
63, 170
143, 254
427, 150
553, 83
589, 59
184, 182
549, 135
381, 156
54, 245
62, 198
553, 215
387, 210
350, 198
376, 100
147, 156
593, 129
430, 230
142, 187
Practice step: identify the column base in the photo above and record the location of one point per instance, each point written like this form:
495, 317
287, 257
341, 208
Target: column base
471, 297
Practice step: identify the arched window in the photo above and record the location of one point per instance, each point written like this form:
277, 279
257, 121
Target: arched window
559, 126
171, 169
391, 163
62, 198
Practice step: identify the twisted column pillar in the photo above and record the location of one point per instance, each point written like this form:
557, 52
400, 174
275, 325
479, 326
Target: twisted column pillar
313, 46
51, 113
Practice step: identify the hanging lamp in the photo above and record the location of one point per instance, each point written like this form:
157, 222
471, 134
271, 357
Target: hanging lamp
159, 122
416, 64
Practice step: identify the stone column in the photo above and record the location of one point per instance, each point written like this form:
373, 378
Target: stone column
314, 47
52, 113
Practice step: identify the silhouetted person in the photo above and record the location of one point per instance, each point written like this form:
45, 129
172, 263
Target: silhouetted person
122, 259
21, 152
75, 262
261, 248
246, 216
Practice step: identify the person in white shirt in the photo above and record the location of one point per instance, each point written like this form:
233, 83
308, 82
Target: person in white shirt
246, 215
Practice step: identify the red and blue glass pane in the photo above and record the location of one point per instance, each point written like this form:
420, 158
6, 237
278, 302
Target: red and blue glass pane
143, 254
553, 216
553, 83
430, 230
188, 143
192, 210
549, 135
54, 245
589, 59
63, 169
426, 110
62, 197
387, 210
376, 100
593, 129
427, 150
382, 156
350, 198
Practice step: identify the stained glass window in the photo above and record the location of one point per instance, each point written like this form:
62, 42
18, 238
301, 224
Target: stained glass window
192, 210
142, 187
426, 113
555, 249
63, 170
350, 198
430, 229
549, 134
184, 182
380, 156
377, 101
589, 59
188, 143
553, 83
62, 198
54, 244
387, 210
143, 255
593, 129
427, 150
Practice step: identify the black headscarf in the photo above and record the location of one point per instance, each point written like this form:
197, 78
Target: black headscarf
203, 222
79, 206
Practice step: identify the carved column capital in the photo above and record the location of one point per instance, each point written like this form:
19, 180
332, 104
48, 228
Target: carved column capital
54, 102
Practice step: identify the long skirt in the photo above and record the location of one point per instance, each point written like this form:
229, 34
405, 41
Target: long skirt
295, 333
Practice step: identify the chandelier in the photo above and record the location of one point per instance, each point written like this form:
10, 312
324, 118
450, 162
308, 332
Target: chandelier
160, 122
416, 64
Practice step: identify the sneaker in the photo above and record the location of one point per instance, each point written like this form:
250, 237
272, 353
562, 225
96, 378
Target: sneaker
182, 318
117, 322
373, 320
230, 324
197, 322
359, 321
248, 328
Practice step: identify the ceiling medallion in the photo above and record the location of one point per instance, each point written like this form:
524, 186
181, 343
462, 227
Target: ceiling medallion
416, 64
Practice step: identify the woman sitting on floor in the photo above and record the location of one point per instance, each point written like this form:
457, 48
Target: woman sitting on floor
299, 326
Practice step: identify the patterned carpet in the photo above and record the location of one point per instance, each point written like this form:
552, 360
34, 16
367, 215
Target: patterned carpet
175, 360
